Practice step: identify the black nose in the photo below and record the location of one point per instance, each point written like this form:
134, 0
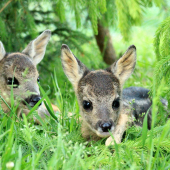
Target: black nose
106, 126
35, 99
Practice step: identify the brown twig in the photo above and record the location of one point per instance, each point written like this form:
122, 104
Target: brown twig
5, 5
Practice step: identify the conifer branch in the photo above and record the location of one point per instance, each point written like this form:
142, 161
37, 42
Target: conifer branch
5, 5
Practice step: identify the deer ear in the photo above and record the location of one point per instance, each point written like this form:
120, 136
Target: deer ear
72, 67
124, 67
36, 48
2, 51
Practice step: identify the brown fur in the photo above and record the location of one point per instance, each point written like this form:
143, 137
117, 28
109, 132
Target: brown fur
21, 66
99, 93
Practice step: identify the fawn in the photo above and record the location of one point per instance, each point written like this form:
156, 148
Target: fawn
19, 69
104, 105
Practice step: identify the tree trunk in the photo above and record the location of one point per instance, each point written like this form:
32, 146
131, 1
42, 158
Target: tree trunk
104, 42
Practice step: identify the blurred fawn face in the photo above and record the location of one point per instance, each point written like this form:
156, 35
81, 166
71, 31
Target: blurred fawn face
18, 70
99, 92
99, 97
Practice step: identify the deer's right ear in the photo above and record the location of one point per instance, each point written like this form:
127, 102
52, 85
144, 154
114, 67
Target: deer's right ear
72, 67
2, 51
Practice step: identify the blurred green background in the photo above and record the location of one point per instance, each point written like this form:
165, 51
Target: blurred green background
75, 23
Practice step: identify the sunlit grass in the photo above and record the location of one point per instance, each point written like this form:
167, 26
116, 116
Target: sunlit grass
58, 144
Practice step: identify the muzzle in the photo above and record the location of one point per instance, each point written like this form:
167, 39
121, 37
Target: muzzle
33, 100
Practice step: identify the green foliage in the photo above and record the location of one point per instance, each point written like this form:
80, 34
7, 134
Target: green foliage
162, 40
14, 21
128, 15
131, 13
162, 51
60, 10
125, 14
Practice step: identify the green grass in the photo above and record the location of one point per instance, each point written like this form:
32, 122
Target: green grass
60, 146
58, 143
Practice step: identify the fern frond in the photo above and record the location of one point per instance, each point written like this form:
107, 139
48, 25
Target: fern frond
162, 39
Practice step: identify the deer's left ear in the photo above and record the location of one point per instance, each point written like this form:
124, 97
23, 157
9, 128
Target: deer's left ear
2, 51
124, 67
36, 48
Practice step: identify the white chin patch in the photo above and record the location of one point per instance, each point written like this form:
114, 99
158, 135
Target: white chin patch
103, 134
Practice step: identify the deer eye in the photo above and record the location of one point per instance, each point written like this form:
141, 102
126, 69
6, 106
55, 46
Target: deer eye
13, 81
115, 104
87, 105
38, 80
